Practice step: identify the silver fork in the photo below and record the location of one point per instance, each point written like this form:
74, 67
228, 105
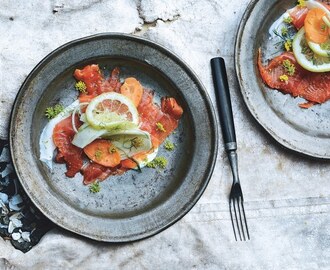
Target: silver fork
236, 201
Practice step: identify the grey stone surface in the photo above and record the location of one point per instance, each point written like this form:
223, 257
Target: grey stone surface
287, 196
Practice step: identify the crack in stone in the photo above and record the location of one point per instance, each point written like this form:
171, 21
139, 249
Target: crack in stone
139, 10
145, 26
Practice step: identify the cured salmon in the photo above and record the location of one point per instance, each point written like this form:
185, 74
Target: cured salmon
92, 77
67, 152
93, 171
114, 82
314, 87
168, 114
95, 82
298, 14
158, 121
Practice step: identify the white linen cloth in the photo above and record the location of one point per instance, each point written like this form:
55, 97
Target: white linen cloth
287, 196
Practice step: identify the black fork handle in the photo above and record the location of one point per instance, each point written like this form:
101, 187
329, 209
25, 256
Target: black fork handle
223, 102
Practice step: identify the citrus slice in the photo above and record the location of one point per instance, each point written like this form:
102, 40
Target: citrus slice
132, 89
320, 49
316, 29
103, 152
112, 111
305, 55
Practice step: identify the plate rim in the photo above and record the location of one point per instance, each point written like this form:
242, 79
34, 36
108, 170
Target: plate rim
282, 141
202, 90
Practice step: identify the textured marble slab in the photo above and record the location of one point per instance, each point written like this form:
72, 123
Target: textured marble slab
287, 195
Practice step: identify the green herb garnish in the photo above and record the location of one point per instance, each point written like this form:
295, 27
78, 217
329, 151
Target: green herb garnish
324, 27
284, 31
160, 127
289, 67
284, 78
98, 154
112, 149
286, 40
169, 146
158, 162
288, 45
137, 142
94, 187
81, 87
279, 35
301, 3
287, 20
51, 112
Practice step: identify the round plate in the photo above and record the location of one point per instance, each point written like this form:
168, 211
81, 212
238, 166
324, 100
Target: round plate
136, 204
306, 131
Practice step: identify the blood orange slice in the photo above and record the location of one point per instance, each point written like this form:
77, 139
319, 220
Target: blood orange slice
112, 111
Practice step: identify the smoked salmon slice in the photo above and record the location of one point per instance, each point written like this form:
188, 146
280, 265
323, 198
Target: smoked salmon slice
298, 14
92, 77
93, 171
96, 84
314, 87
114, 82
168, 115
67, 152
158, 121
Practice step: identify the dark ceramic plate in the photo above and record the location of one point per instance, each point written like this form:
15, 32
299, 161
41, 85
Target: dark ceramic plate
134, 205
306, 131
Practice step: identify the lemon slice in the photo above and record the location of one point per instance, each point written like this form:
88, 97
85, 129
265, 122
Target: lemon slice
318, 49
112, 111
306, 57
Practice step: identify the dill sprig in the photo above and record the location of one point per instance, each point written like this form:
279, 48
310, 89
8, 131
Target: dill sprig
289, 67
288, 20
279, 35
286, 41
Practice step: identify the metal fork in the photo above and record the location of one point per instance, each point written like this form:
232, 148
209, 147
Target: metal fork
236, 205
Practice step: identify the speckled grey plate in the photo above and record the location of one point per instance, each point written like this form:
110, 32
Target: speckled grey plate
304, 131
134, 205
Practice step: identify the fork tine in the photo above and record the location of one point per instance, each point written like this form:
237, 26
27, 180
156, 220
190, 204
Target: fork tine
246, 226
232, 221
240, 216
239, 232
